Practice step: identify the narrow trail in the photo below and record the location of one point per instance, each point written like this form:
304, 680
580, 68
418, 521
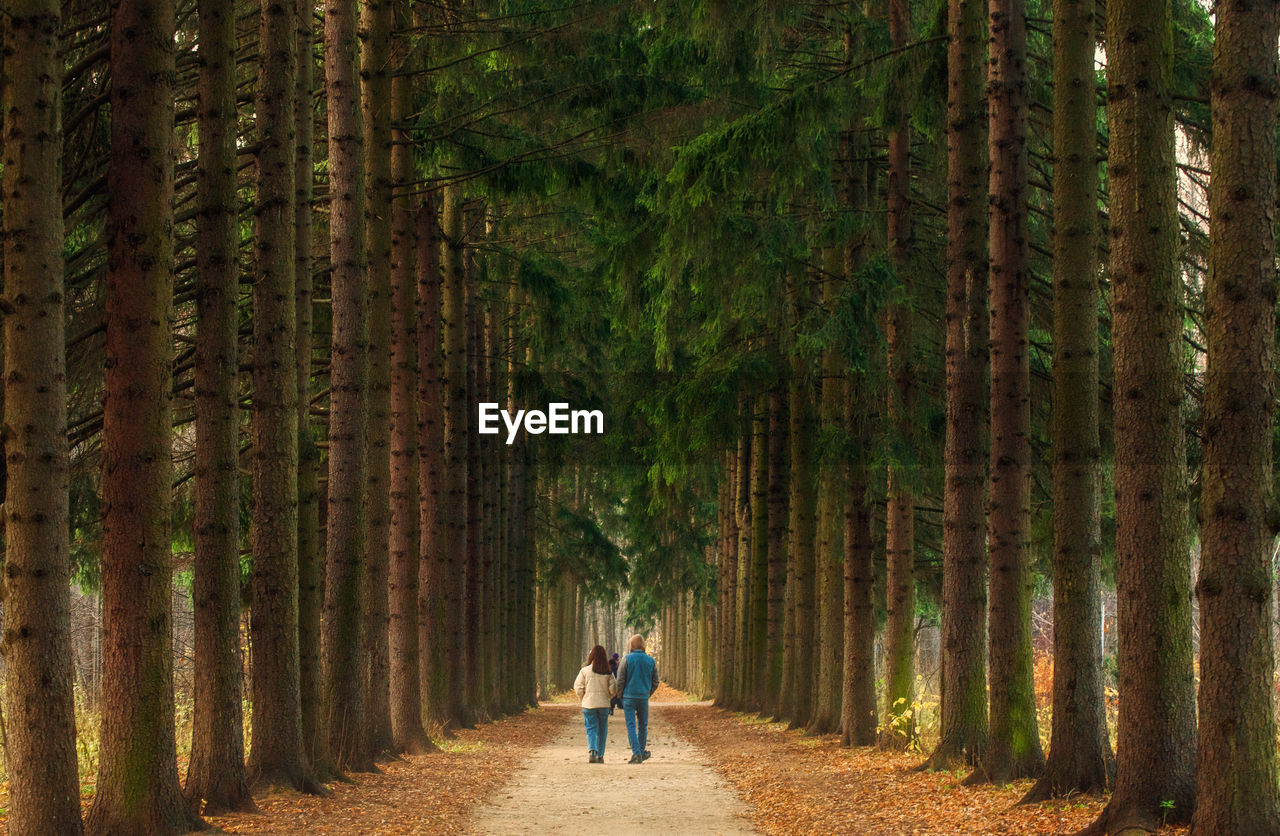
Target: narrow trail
557, 791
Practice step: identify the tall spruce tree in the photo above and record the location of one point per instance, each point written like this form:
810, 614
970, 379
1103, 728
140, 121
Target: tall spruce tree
1236, 790
453, 318
962, 736
900, 511
405, 531
347, 530
40, 747
137, 789
1156, 734
376, 17
310, 557
1080, 758
276, 756
216, 774
1013, 749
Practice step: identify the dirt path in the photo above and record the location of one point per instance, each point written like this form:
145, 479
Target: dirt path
557, 791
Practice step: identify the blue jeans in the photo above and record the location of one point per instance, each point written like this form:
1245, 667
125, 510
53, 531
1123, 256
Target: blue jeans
597, 722
637, 711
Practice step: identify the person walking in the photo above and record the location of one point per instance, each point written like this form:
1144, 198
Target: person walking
616, 702
637, 680
595, 687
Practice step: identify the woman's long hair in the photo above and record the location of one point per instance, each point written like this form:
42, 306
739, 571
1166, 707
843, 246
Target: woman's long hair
599, 660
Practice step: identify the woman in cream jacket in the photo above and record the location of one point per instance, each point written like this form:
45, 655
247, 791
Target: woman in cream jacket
595, 687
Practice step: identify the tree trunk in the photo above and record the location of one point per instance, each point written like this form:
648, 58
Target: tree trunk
1080, 758
216, 774
779, 415
44, 789
310, 560
277, 756
529, 557
742, 512
1156, 736
829, 637
435, 592
803, 517
491, 501
858, 700
456, 429
963, 715
858, 705
1013, 749
408, 734
1236, 783
375, 98
347, 541
728, 575
137, 787
758, 604
476, 478
899, 629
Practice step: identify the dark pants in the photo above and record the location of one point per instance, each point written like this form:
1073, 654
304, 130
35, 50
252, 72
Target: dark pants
637, 711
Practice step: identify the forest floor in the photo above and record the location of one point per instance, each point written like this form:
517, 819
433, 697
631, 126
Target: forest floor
795, 783
417, 794
713, 772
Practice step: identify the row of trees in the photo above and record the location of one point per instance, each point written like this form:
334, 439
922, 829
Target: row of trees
388, 560
808, 497
824, 300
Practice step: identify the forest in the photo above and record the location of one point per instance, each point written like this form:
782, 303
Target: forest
931, 344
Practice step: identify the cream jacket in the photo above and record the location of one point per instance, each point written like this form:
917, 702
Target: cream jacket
594, 689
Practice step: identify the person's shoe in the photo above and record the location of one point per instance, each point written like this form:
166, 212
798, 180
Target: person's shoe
647, 754
599, 758
636, 759
591, 756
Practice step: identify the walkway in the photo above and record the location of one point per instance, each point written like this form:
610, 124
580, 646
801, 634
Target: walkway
557, 791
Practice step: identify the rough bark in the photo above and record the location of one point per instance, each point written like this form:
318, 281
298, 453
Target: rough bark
137, 787
727, 590
779, 416
375, 100
216, 778
1236, 783
435, 590
491, 496
529, 555
44, 789
277, 750
474, 600
758, 603
742, 513
1156, 735
1013, 749
1080, 758
963, 714
899, 724
456, 422
349, 401
858, 701
829, 635
408, 734
858, 704
310, 559
803, 518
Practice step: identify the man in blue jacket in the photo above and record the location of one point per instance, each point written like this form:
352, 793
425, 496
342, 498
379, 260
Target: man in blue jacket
637, 680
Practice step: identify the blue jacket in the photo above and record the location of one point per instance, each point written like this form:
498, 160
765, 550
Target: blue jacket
637, 676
